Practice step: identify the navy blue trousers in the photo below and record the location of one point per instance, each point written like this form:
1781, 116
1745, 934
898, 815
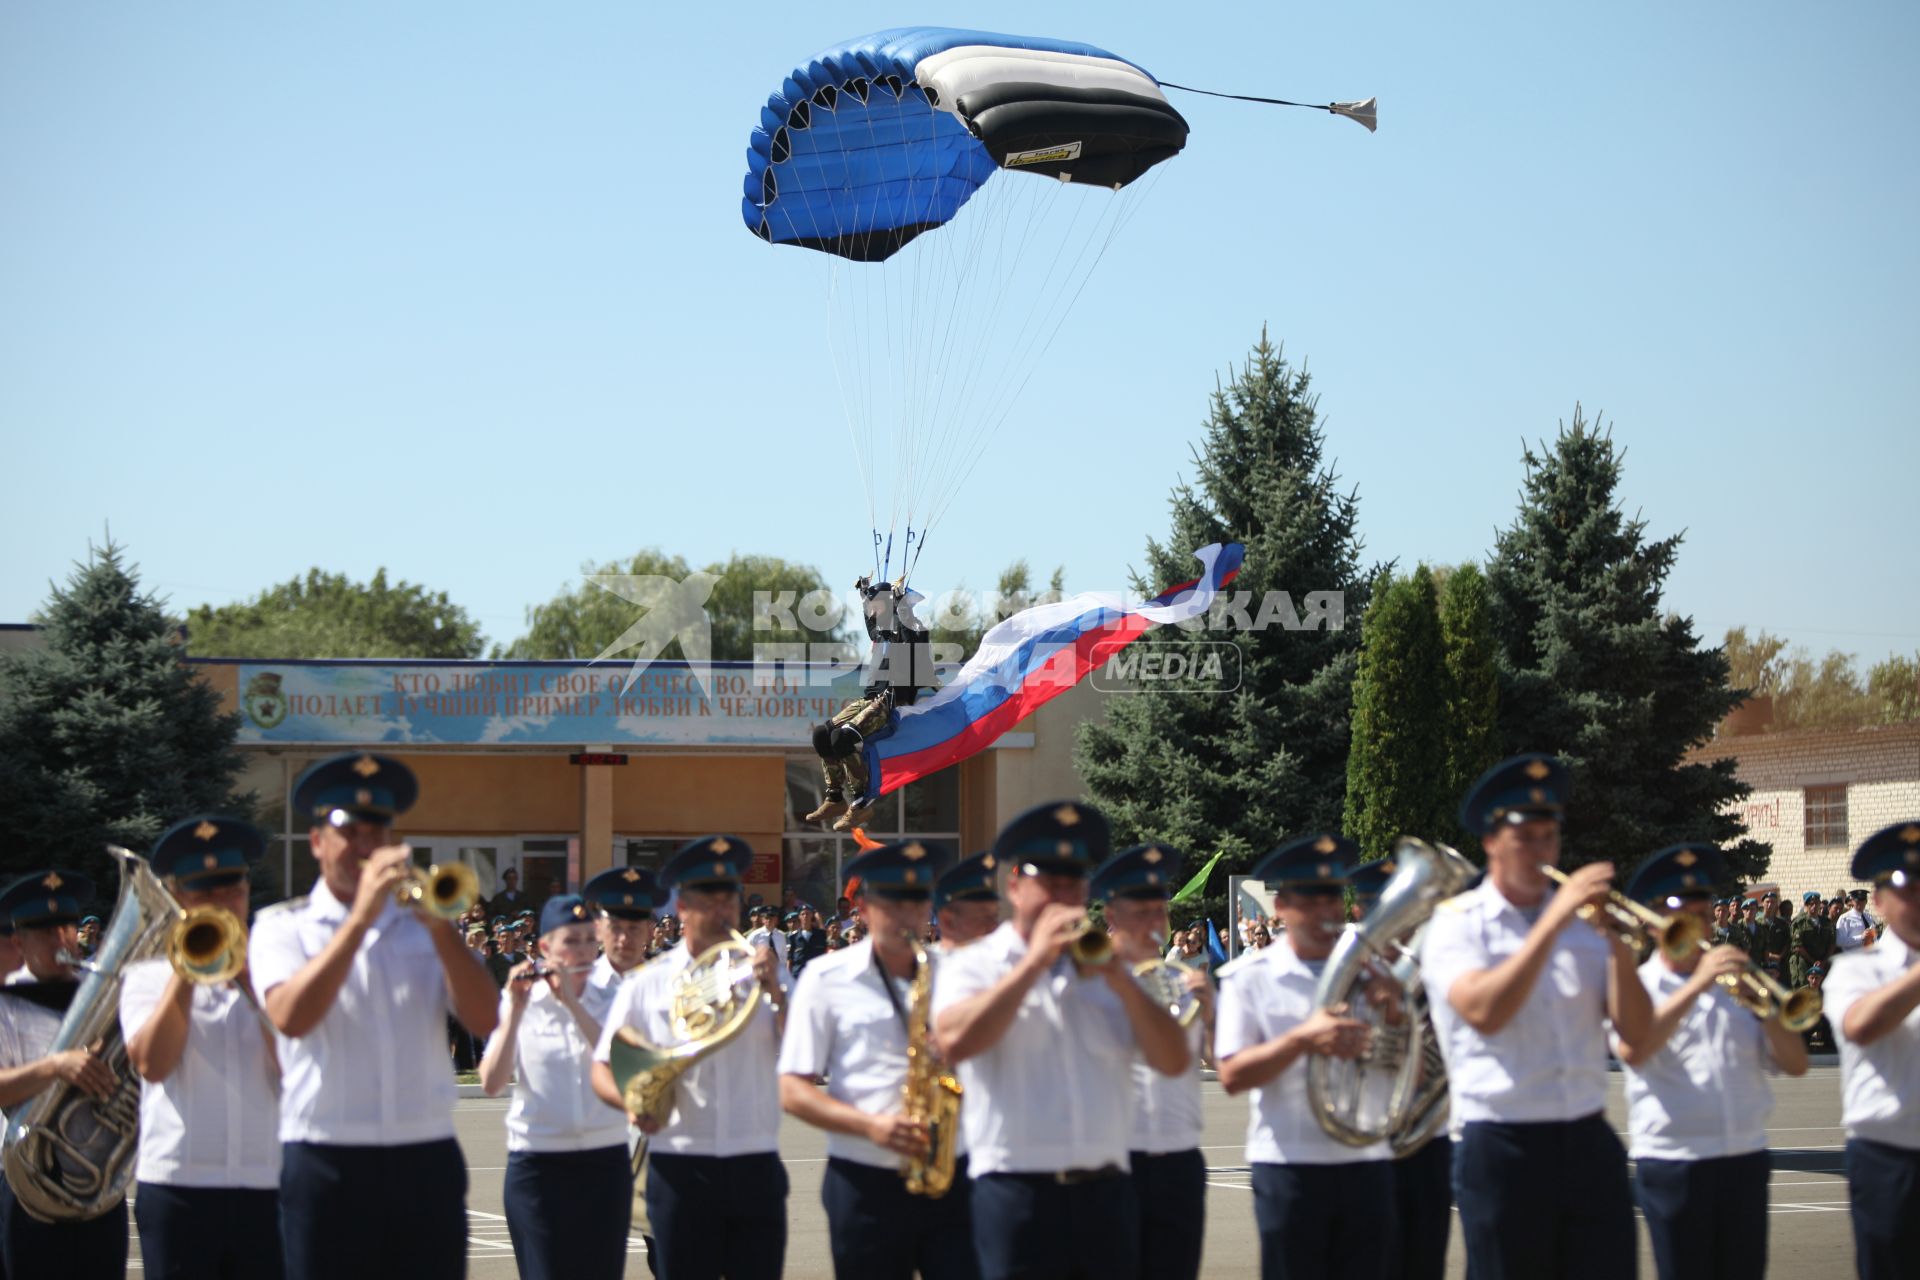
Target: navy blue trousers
718, 1216
1171, 1190
1324, 1220
208, 1233
1034, 1228
374, 1213
1423, 1203
91, 1250
1546, 1199
879, 1231
1884, 1183
568, 1212
1707, 1218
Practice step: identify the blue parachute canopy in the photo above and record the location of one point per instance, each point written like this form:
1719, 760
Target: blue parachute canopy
884, 137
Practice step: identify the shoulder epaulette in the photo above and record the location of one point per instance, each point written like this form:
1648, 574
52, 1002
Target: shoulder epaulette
282, 908
1458, 902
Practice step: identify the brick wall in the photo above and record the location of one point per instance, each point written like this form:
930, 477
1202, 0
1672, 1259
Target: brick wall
1879, 767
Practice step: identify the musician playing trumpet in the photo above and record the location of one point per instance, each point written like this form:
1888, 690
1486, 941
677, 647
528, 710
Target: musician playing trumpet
852, 1020
44, 907
372, 1182
569, 1184
1521, 991
208, 1201
1697, 1094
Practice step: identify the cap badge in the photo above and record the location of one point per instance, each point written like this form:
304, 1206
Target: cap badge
1910, 834
1537, 769
626, 899
211, 861
1066, 815
914, 852
630, 875
720, 868
1064, 848
1150, 857
987, 862
1153, 877
720, 845
205, 831
1324, 871
363, 797
1686, 857
579, 911
1324, 845
52, 881
366, 766
912, 876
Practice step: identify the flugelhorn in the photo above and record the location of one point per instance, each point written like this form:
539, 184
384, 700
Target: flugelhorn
445, 890
207, 945
1677, 937
1090, 948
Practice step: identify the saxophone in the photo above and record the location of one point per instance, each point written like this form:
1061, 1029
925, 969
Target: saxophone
931, 1095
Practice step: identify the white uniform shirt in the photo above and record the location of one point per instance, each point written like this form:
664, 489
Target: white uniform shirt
215, 1120
1850, 930
554, 1105
374, 1072
1879, 1082
1056, 1092
771, 938
841, 1025
1704, 1094
726, 1105
1166, 1109
26, 1031
1550, 1061
602, 985
1268, 995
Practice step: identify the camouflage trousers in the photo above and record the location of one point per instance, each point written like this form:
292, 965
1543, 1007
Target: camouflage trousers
847, 776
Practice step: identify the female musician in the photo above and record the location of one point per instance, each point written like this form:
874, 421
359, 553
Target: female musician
569, 1185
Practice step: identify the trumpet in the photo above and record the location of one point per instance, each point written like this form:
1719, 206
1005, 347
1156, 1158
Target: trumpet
445, 890
1677, 937
207, 945
1762, 995
1091, 948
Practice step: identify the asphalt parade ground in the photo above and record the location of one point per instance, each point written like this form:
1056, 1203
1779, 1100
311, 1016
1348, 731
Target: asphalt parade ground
1811, 1234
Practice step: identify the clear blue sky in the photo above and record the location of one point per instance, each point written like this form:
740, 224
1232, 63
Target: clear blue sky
463, 290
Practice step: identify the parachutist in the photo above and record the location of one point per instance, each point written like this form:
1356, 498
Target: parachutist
899, 666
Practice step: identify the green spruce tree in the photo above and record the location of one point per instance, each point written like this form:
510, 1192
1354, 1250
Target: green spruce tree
1591, 670
108, 736
1472, 693
1397, 779
1240, 771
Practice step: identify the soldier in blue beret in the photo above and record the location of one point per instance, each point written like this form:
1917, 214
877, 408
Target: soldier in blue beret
1522, 993
1812, 939
1873, 1001
1014, 1008
852, 1017
569, 1181
359, 988
1169, 1173
201, 1048
1313, 1197
1697, 1092
716, 1194
44, 908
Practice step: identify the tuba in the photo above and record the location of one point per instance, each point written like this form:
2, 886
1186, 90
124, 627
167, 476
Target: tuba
931, 1095
714, 999
67, 1155
1396, 1091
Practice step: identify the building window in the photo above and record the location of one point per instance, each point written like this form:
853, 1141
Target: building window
811, 859
1827, 817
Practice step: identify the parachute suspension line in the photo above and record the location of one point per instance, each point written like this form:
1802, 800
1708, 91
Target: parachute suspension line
887, 566
876, 554
1127, 204
849, 407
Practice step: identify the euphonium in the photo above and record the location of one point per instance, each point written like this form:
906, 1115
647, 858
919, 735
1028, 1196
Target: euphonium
713, 1000
68, 1155
1396, 1092
931, 1095
1677, 937
446, 890
207, 945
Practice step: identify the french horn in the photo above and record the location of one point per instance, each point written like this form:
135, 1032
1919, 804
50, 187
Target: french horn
714, 999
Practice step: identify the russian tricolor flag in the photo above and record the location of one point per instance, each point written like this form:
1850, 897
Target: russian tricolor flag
1028, 660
